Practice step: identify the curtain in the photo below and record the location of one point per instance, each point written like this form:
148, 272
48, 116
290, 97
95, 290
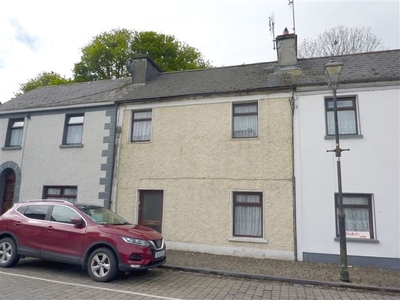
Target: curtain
16, 137
74, 134
247, 218
357, 219
347, 122
141, 131
245, 126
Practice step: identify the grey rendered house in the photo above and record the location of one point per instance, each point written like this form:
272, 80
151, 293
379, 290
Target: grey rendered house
58, 142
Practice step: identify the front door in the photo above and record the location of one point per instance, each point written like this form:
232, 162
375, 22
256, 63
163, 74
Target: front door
150, 209
8, 192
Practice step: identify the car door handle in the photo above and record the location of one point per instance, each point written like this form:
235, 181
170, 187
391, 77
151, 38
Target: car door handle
50, 228
18, 223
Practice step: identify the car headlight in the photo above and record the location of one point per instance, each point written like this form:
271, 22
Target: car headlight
134, 241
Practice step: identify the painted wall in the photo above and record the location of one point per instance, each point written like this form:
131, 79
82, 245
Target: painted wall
44, 163
371, 166
194, 160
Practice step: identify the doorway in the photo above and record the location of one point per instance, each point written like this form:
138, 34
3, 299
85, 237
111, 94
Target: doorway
151, 208
8, 196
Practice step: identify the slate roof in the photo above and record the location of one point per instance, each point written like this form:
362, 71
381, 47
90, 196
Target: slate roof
358, 68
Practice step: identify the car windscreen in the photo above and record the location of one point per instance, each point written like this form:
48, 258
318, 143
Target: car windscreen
102, 215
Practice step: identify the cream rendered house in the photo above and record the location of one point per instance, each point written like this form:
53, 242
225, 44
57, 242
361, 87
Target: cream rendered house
205, 157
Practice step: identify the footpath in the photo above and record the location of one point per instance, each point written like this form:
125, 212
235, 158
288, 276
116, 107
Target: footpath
367, 278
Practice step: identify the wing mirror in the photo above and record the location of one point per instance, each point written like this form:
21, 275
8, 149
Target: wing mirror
78, 222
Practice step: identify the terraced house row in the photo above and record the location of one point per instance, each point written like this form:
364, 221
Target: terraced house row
229, 160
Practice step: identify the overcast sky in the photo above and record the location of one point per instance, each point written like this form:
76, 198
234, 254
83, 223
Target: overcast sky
47, 35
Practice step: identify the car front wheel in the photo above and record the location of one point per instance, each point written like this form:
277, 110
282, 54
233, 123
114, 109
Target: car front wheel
103, 265
8, 253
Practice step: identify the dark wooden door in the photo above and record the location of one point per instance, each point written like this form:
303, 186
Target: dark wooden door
150, 209
8, 196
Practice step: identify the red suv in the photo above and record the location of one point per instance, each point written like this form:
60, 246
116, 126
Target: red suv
82, 234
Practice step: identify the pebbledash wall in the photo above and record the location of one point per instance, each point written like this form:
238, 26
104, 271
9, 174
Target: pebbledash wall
194, 160
42, 162
370, 167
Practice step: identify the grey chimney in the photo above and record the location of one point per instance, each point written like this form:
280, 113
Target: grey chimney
286, 46
143, 69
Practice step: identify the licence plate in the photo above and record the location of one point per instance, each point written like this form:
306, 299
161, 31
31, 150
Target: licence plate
159, 254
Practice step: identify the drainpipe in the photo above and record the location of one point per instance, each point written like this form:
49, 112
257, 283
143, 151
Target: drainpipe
292, 106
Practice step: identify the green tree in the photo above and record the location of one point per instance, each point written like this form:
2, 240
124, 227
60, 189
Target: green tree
340, 40
42, 79
105, 56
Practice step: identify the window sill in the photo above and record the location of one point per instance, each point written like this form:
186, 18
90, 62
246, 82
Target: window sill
344, 136
354, 240
11, 148
72, 146
248, 240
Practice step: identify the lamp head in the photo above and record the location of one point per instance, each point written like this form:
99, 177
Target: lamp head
332, 71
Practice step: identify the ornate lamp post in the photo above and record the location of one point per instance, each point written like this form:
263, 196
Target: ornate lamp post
332, 72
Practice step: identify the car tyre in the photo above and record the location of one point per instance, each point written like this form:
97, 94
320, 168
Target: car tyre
8, 253
102, 265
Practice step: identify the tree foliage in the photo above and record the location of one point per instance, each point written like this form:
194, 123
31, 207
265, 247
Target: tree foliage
340, 40
105, 56
42, 79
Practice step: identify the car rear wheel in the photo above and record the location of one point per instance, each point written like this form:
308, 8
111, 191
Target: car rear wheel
8, 253
103, 265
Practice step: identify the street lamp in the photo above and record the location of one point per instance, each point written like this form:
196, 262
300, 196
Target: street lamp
332, 72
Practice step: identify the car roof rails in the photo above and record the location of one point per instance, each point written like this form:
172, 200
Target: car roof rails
49, 200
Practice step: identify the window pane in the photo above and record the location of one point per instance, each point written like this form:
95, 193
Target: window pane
347, 122
63, 214
54, 191
17, 124
240, 109
70, 191
248, 221
341, 103
355, 200
141, 131
76, 120
357, 219
142, 115
16, 137
248, 198
245, 126
74, 134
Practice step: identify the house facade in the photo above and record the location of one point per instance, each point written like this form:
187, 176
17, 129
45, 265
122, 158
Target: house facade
369, 113
208, 161
58, 142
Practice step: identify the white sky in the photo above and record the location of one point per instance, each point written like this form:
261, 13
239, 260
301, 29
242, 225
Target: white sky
47, 35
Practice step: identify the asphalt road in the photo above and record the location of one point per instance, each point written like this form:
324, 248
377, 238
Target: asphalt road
35, 279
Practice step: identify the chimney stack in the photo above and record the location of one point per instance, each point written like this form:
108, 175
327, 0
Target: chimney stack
142, 69
286, 45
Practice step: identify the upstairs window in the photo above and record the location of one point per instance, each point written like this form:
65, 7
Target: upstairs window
73, 129
141, 125
347, 116
15, 131
245, 120
358, 211
247, 214
68, 193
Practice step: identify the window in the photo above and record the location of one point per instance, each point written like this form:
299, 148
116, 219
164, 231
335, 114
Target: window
247, 214
358, 211
73, 129
141, 125
37, 212
245, 120
63, 214
347, 115
60, 192
15, 130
